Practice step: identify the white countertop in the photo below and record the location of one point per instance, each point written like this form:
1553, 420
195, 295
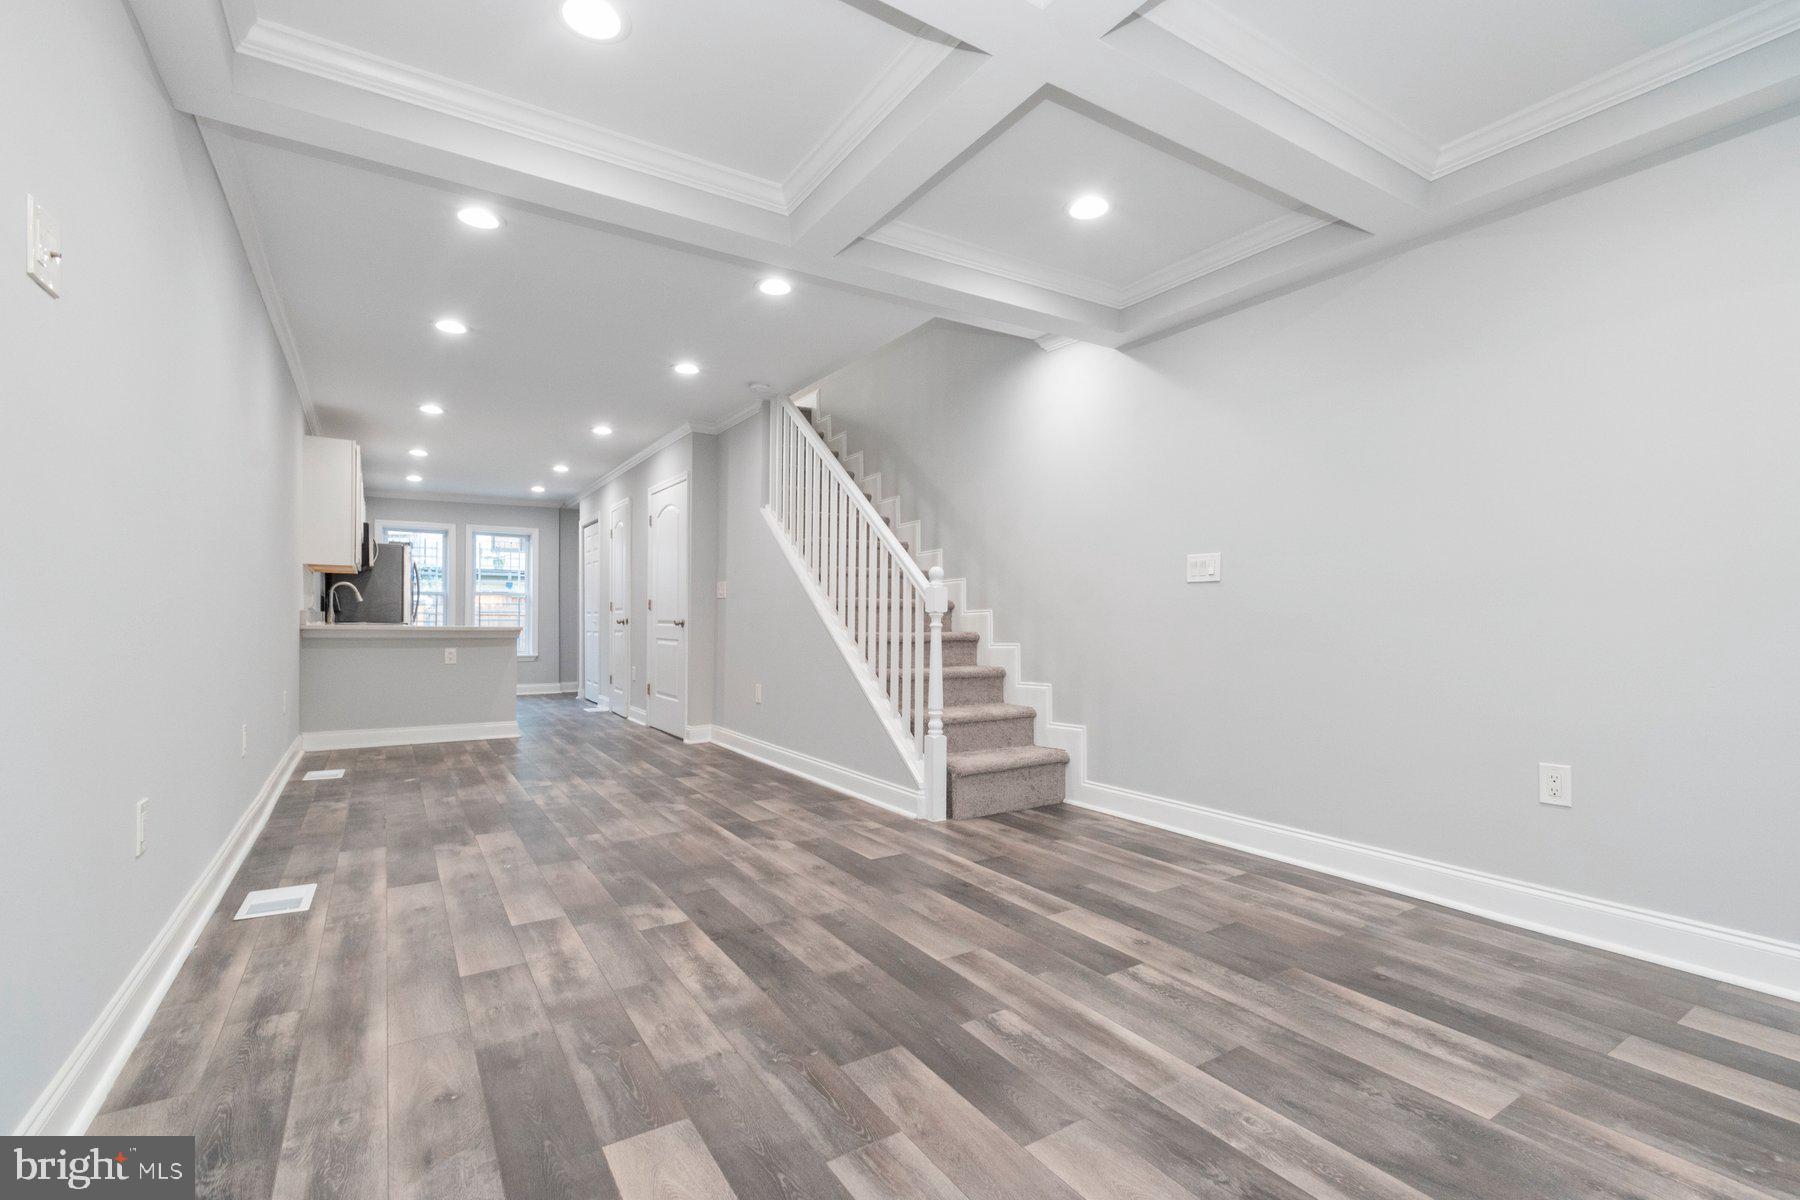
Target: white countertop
378, 629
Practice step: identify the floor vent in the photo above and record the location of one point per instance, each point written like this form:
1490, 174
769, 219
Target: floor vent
275, 902
315, 776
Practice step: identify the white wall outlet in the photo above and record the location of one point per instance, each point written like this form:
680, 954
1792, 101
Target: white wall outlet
1556, 785
244, 742
43, 248
143, 814
722, 589
449, 656
759, 693
1203, 568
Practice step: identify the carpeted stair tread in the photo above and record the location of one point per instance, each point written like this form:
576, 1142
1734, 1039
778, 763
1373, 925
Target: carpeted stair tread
1009, 758
972, 671
970, 713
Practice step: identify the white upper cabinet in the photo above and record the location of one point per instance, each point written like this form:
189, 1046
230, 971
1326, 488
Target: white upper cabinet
332, 510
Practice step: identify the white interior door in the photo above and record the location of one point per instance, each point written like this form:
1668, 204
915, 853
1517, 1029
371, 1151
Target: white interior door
667, 673
592, 677
618, 607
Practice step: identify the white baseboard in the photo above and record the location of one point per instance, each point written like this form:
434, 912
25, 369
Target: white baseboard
698, 735
1750, 960
908, 802
68, 1104
408, 735
545, 689
636, 715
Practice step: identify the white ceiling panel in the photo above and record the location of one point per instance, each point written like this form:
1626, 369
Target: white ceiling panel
569, 326
1425, 80
768, 90
1004, 209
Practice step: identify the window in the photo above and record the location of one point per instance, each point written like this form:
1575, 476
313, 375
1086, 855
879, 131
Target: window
503, 582
431, 558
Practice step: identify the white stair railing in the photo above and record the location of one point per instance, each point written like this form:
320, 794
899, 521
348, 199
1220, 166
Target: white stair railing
891, 611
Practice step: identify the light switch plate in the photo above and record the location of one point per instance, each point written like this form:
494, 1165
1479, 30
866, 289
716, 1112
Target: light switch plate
722, 589
1203, 568
43, 248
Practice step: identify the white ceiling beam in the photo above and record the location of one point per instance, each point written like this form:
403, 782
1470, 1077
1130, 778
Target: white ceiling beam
1214, 114
868, 187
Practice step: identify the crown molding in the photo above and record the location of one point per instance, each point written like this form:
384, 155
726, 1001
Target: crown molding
917, 240
297, 50
1251, 53
1235, 249
285, 46
464, 498
893, 84
1698, 50
229, 168
662, 443
728, 421
685, 429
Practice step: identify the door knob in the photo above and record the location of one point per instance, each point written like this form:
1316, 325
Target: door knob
683, 624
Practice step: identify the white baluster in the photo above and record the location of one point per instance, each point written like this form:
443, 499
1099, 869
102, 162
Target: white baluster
937, 747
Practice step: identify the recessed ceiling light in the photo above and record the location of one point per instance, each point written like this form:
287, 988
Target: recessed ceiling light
431, 409
561, 468
451, 325
1086, 208
596, 19
603, 431
477, 217
687, 368
419, 452
415, 479
537, 487
774, 285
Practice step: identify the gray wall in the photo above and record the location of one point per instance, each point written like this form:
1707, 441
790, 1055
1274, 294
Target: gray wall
149, 424
769, 633
545, 667
359, 682
1525, 494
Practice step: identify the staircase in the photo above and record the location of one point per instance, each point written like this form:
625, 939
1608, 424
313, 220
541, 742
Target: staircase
993, 761
990, 762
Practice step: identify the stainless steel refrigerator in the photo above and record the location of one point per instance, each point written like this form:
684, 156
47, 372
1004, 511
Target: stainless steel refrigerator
390, 588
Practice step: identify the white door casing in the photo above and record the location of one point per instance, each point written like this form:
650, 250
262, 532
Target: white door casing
618, 607
593, 680
666, 671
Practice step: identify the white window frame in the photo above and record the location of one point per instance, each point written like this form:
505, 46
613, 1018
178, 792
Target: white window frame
528, 651
451, 578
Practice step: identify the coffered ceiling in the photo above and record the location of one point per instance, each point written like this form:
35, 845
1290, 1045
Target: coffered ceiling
921, 154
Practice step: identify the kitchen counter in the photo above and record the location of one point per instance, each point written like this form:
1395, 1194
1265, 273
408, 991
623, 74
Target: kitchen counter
377, 684
379, 629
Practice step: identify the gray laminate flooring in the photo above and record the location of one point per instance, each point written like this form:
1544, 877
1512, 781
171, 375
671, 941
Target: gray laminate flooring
597, 963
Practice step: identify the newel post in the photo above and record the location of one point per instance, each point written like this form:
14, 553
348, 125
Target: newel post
937, 749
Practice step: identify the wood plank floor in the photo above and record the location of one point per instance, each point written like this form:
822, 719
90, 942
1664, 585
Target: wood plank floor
598, 963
